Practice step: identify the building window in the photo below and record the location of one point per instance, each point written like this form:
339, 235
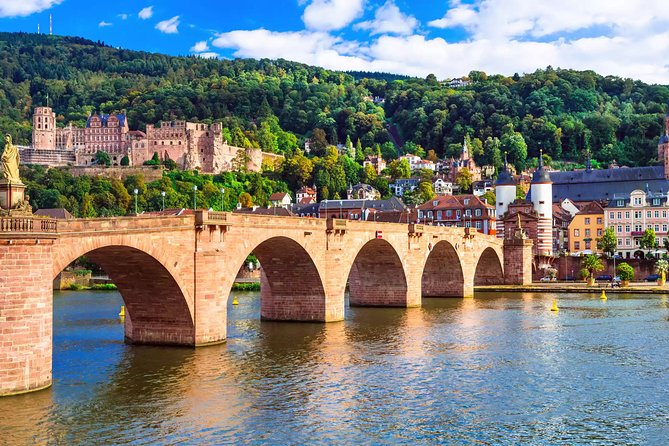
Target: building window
599, 232
657, 228
587, 232
577, 246
477, 212
611, 215
637, 201
599, 221
449, 213
638, 214
466, 201
638, 228
620, 215
468, 212
627, 242
664, 228
478, 224
577, 233
657, 214
620, 242
438, 215
587, 221
620, 203
435, 203
587, 245
627, 228
620, 229
457, 213
648, 214
656, 201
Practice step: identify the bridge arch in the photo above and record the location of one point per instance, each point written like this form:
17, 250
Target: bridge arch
158, 305
377, 276
442, 274
291, 288
489, 269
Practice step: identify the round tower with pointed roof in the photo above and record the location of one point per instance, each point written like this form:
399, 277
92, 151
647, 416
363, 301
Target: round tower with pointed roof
505, 191
541, 191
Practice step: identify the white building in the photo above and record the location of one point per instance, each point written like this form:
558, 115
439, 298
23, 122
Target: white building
442, 187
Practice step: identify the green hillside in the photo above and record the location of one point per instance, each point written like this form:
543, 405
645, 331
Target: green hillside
264, 102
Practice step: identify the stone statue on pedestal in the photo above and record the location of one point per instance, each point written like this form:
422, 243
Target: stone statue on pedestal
13, 201
10, 161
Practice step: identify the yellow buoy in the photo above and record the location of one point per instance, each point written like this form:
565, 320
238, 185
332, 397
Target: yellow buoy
603, 296
122, 312
234, 300
555, 307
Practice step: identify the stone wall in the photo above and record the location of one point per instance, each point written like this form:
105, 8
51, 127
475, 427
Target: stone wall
151, 173
66, 279
568, 266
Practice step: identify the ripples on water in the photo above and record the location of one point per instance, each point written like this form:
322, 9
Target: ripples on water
490, 370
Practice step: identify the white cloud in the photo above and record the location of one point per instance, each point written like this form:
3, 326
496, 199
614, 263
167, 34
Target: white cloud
200, 47
208, 55
330, 15
539, 18
16, 8
146, 13
123, 16
169, 26
102, 24
388, 19
419, 55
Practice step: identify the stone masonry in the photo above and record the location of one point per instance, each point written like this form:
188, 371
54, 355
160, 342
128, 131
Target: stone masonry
175, 274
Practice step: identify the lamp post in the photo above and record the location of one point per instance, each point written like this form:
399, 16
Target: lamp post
340, 204
136, 191
163, 195
195, 197
222, 197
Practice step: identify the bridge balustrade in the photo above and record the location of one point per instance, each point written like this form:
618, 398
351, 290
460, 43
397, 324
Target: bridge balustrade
27, 224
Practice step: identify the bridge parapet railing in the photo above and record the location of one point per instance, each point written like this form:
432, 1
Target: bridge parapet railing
27, 225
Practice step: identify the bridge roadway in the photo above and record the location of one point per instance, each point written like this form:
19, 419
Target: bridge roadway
175, 274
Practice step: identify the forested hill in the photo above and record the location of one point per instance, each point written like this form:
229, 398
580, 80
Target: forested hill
273, 104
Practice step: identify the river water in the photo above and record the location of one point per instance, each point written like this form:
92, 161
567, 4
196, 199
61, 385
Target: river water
498, 369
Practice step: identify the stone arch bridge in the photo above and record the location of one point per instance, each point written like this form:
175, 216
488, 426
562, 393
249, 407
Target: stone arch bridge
175, 274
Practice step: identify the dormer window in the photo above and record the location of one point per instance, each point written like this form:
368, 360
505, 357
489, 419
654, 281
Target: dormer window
656, 201
435, 203
620, 203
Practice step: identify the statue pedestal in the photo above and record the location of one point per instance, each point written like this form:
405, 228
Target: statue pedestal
11, 194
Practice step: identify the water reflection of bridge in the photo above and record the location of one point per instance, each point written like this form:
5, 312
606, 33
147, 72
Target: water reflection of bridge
175, 273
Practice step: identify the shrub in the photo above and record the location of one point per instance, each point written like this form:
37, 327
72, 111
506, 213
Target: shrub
104, 287
246, 286
625, 271
76, 287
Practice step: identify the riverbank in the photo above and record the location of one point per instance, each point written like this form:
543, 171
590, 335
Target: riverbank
636, 288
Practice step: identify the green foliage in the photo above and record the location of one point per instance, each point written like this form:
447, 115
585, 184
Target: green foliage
490, 197
104, 287
608, 242
648, 240
625, 271
464, 180
399, 169
592, 264
662, 267
102, 158
425, 192
125, 161
246, 286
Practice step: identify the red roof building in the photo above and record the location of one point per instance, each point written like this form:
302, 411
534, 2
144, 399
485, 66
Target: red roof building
459, 211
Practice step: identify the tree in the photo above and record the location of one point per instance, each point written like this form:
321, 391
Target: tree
662, 267
102, 158
648, 240
399, 168
170, 164
608, 242
246, 200
625, 271
515, 145
464, 180
592, 264
425, 192
125, 161
318, 142
489, 197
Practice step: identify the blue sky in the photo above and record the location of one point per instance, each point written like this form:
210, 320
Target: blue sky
629, 38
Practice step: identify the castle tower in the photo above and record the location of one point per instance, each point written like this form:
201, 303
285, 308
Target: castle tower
505, 191
663, 147
44, 128
541, 190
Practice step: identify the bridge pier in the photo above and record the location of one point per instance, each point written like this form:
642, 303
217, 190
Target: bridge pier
26, 313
